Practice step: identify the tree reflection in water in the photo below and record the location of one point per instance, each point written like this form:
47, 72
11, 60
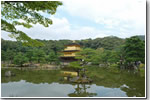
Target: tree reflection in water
81, 91
132, 84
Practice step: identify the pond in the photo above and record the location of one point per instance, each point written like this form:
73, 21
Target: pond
48, 83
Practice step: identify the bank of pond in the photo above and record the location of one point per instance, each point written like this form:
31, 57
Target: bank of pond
51, 83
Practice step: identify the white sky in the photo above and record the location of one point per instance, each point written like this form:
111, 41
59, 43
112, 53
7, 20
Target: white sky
82, 19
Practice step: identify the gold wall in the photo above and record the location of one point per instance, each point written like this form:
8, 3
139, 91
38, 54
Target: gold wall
72, 48
71, 53
67, 54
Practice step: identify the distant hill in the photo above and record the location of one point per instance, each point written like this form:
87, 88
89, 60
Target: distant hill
109, 43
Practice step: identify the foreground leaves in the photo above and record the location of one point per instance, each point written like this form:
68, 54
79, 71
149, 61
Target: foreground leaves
26, 13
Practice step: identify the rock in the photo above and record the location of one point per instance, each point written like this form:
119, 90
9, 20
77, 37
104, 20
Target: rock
9, 74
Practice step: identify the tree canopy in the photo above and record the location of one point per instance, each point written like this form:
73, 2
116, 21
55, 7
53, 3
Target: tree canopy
20, 59
30, 13
129, 51
134, 49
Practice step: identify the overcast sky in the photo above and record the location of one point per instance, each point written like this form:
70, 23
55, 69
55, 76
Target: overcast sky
82, 19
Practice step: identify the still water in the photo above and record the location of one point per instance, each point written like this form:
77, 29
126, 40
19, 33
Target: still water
42, 83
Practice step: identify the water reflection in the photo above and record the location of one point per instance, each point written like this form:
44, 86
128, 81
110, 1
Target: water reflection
81, 91
106, 84
27, 89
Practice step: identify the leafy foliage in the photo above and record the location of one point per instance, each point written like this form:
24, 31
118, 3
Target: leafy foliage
86, 55
39, 55
134, 49
108, 43
26, 13
52, 57
20, 59
76, 66
29, 55
129, 51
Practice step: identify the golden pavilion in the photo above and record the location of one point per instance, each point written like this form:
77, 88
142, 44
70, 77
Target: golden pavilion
69, 52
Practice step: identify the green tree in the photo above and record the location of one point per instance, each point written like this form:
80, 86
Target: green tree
105, 56
121, 55
30, 54
20, 59
39, 56
52, 57
97, 58
10, 55
86, 55
29, 12
113, 57
3, 55
134, 50
76, 66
